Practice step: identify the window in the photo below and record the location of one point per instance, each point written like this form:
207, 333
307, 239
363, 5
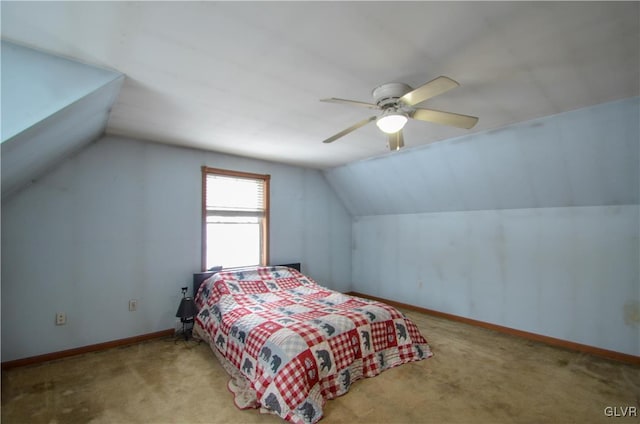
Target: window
235, 218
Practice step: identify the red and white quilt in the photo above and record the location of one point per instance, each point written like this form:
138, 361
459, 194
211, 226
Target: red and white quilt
290, 344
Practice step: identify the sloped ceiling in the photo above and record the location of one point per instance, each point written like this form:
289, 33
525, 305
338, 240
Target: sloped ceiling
245, 77
587, 157
51, 107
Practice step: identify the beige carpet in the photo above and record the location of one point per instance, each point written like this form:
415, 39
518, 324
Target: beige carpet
476, 376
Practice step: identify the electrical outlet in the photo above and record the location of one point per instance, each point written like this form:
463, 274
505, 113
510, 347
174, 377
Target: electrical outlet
133, 305
61, 318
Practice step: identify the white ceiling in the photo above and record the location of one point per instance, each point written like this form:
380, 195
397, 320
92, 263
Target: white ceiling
246, 77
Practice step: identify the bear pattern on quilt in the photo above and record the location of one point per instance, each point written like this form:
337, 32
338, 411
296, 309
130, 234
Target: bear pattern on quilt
297, 343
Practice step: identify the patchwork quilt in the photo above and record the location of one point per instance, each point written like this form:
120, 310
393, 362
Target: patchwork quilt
290, 344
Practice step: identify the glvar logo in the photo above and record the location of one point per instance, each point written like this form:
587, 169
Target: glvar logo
621, 411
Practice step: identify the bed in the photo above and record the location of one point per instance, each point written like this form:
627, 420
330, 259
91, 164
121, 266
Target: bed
290, 344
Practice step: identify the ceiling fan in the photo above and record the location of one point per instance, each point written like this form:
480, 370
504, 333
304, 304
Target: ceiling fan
397, 102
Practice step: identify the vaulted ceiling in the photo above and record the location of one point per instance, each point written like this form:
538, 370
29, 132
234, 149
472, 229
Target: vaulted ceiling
586, 157
246, 77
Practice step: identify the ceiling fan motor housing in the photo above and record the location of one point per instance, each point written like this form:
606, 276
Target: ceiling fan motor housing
387, 95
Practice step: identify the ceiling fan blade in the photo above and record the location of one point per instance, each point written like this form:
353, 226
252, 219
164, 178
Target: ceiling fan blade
396, 141
429, 90
350, 102
445, 118
348, 130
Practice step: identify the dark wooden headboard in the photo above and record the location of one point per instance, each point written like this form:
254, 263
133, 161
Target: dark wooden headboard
199, 277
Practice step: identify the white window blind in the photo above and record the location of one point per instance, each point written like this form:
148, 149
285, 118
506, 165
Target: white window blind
234, 196
235, 218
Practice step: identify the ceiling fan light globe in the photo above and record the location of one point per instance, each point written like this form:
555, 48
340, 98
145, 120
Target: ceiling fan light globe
391, 123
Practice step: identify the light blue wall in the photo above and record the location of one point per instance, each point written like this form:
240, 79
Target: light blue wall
585, 157
569, 273
36, 85
51, 108
121, 220
534, 226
